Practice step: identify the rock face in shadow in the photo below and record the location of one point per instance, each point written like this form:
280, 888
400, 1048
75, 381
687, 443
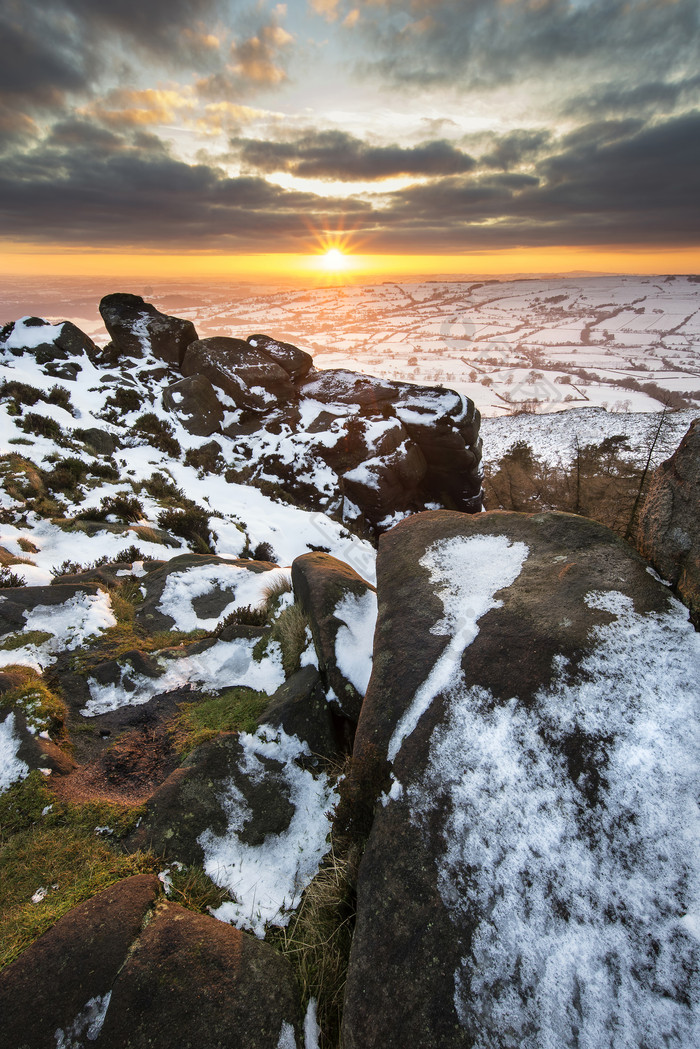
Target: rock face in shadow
196, 404
252, 379
535, 770
669, 524
136, 328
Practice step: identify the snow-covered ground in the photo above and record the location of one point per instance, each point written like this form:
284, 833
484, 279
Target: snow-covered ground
500, 342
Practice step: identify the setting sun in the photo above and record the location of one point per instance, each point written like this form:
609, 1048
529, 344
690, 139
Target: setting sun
334, 260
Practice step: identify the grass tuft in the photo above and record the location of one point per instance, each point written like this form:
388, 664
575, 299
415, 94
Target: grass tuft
318, 938
237, 710
45, 844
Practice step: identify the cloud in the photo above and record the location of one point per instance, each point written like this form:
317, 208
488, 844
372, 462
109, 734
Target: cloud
611, 183
516, 147
340, 156
652, 96
484, 43
256, 59
39, 62
128, 107
328, 9
607, 184
89, 185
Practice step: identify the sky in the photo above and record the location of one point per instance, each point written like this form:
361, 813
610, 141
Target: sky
218, 136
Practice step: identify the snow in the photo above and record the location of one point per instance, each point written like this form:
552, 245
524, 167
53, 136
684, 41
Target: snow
287, 1039
584, 912
553, 437
183, 588
88, 1023
466, 573
224, 665
31, 336
12, 768
355, 638
312, 1031
70, 624
267, 880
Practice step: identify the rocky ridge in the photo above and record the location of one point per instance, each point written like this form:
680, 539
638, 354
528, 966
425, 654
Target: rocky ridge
508, 849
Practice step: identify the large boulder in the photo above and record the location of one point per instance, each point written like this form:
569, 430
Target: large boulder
137, 328
50, 344
252, 379
61, 984
196, 983
118, 972
669, 523
528, 875
193, 399
297, 363
340, 386
341, 607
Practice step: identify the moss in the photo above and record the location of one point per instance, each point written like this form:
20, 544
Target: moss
29, 637
237, 710
59, 848
42, 706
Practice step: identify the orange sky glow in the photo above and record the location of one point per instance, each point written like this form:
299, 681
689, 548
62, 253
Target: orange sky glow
30, 261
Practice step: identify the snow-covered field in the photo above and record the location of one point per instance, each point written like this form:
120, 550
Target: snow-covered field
558, 342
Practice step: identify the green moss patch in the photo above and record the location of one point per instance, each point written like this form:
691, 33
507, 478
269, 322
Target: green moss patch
237, 710
44, 710
28, 637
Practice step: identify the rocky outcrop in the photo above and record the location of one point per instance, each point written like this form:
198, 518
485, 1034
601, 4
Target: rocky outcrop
533, 764
137, 328
194, 401
365, 450
118, 972
297, 363
669, 523
341, 607
61, 983
252, 379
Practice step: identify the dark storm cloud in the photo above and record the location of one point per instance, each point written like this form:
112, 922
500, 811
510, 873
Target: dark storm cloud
486, 42
84, 185
56, 48
599, 188
612, 182
511, 150
338, 155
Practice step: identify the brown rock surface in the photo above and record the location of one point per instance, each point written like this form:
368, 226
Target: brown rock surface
49, 986
669, 526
